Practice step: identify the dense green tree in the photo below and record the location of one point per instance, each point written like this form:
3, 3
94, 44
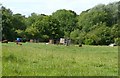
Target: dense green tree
74, 35
45, 28
100, 24
33, 24
0, 22
100, 35
67, 20
19, 22
7, 24
90, 18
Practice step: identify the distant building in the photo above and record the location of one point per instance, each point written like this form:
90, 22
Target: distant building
51, 41
65, 41
62, 41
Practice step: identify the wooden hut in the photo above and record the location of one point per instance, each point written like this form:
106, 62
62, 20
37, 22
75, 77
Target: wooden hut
51, 41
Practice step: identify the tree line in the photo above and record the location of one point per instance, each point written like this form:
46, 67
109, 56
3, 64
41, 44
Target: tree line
96, 26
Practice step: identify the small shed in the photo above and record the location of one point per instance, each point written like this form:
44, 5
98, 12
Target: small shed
31, 40
62, 40
65, 41
51, 41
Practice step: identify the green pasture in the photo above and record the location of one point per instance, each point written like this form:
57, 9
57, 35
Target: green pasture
40, 59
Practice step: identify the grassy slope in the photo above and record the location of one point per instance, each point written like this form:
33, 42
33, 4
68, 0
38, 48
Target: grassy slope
52, 60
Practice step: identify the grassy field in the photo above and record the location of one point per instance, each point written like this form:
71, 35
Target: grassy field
39, 59
0, 60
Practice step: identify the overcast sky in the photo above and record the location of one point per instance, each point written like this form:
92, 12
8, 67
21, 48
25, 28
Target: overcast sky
26, 7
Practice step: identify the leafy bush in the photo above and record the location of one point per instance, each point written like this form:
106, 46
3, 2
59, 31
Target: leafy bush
117, 41
88, 41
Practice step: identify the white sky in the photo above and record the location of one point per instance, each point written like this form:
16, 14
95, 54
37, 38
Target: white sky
26, 7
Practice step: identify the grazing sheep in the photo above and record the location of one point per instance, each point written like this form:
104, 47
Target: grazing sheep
112, 45
46, 43
5, 41
17, 42
80, 45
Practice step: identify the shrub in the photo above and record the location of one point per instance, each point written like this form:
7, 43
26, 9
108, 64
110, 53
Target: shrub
88, 41
117, 41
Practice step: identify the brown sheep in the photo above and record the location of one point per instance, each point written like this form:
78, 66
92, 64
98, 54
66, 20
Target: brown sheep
5, 41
